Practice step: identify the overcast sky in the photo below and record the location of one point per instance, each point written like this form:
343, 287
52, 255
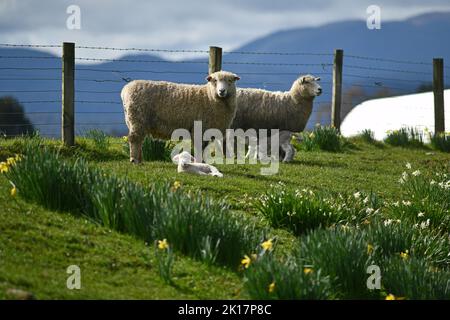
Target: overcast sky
178, 24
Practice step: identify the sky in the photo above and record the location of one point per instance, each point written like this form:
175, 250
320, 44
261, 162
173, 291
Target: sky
178, 24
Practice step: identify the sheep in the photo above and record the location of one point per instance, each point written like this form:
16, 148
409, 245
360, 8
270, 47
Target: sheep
160, 107
260, 151
287, 111
186, 163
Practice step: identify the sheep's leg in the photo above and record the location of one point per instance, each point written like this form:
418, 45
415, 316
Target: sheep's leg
289, 152
135, 141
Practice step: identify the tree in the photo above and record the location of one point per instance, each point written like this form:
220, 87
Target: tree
13, 121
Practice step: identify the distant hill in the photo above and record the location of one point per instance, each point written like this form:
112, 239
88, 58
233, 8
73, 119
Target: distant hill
416, 39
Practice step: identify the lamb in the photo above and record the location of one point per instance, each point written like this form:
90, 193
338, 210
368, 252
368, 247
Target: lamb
186, 163
260, 151
287, 111
160, 107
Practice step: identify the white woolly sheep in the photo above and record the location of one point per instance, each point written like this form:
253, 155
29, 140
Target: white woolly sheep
160, 107
186, 163
286, 111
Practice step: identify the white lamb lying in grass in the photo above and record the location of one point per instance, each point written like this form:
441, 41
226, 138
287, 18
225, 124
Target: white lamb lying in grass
186, 163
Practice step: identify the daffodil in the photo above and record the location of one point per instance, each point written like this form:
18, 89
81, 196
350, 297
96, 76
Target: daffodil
390, 296
416, 173
11, 161
13, 191
404, 255
246, 261
369, 248
125, 138
163, 244
176, 185
271, 287
267, 245
4, 168
307, 270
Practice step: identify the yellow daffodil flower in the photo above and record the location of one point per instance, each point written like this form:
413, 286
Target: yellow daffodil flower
163, 244
4, 167
369, 248
404, 255
271, 287
267, 245
176, 185
307, 270
246, 261
390, 296
13, 191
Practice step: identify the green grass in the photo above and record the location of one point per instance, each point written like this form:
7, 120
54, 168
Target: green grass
365, 167
37, 246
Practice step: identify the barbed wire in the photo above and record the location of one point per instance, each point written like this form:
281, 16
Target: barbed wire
142, 49
97, 102
275, 64
58, 124
99, 92
141, 71
30, 57
386, 70
279, 53
41, 101
31, 45
29, 69
31, 91
391, 60
30, 79
383, 78
141, 60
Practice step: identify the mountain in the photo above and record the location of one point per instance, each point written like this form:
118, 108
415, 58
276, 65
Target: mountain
418, 39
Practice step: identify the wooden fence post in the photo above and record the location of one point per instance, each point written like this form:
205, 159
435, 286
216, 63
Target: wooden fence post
68, 94
215, 59
337, 89
438, 91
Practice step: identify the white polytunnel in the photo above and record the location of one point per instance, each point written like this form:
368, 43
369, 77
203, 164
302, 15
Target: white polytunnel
393, 113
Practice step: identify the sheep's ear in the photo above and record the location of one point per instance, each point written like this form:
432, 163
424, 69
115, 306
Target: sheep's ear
193, 159
302, 80
208, 78
236, 78
317, 79
175, 158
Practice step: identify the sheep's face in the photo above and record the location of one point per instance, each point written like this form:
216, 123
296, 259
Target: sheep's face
222, 84
308, 86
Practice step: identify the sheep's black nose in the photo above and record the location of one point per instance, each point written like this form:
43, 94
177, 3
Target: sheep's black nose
320, 89
222, 91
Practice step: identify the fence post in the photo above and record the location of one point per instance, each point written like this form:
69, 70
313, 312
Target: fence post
215, 59
438, 91
68, 94
337, 89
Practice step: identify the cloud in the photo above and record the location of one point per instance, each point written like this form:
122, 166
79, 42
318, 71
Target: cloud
191, 24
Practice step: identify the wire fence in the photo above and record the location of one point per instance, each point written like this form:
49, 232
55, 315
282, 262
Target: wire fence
35, 81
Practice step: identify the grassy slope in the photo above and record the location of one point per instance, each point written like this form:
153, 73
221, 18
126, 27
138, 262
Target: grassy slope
118, 267
36, 247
